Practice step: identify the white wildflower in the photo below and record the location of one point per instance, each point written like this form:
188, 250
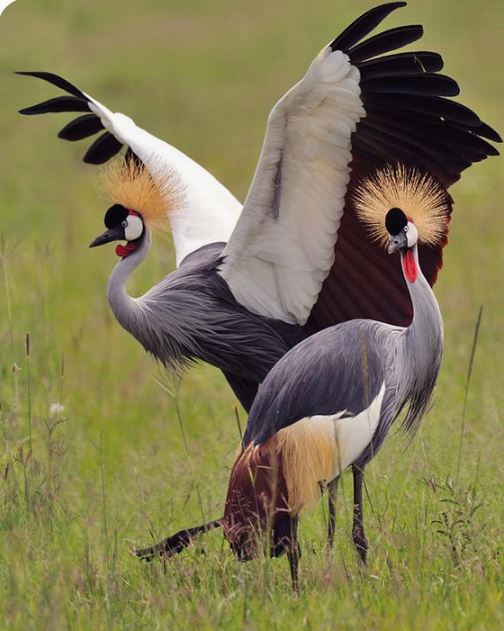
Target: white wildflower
56, 409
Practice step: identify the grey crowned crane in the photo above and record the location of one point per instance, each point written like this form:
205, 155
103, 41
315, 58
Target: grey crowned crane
252, 282
329, 402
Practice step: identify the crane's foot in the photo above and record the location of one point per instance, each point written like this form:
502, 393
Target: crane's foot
176, 543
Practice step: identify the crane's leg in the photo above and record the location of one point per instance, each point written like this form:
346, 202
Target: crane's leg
176, 543
358, 536
294, 553
332, 488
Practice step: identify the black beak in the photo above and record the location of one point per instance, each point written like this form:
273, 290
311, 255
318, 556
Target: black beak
112, 234
397, 242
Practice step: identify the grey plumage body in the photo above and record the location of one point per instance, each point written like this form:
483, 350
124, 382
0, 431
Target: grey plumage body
344, 367
192, 315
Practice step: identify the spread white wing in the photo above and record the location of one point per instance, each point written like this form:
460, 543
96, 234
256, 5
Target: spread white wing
299, 250
282, 248
4, 4
208, 211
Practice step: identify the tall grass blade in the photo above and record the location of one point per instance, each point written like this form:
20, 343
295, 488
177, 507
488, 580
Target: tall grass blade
468, 383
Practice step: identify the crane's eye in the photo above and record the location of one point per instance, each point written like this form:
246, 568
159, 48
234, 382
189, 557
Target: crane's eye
124, 224
406, 228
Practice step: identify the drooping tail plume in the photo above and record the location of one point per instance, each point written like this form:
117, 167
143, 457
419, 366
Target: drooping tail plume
271, 483
257, 508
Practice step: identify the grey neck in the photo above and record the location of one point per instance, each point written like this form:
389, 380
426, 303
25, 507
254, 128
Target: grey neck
127, 310
422, 346
426, 329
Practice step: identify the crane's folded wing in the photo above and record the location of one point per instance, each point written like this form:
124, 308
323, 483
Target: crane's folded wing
321, 376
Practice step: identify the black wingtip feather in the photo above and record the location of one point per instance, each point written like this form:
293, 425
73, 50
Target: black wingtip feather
487, 132
422, 85
392, 39
80, 128
363, 25
401, 64
104, 148
57, 105
56, 80
427, 106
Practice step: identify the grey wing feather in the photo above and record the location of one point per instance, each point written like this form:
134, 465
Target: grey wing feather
322, 375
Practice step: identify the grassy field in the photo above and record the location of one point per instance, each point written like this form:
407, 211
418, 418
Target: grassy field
92, 453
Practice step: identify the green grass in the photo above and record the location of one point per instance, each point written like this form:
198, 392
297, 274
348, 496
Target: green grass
116, 473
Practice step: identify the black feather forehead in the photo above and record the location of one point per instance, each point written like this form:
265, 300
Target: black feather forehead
395, 221
114, 215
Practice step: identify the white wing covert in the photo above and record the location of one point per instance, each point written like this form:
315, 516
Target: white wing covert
296, 252
282, 248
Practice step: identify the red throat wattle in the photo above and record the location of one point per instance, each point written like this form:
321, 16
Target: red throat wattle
409, 266
125, 250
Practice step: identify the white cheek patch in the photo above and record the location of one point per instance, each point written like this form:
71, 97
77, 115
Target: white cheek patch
134, 228
412, 234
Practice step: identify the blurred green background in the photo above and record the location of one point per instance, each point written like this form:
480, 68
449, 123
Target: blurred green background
203, 76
